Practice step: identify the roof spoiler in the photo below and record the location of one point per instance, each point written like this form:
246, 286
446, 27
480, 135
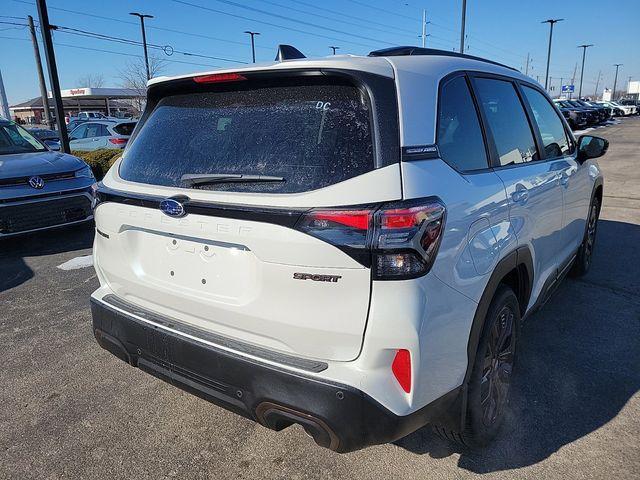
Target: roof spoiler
287, 52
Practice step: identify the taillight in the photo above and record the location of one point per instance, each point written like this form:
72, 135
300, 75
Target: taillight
407, 237
401, 368
118, 141
398, 240
219, 78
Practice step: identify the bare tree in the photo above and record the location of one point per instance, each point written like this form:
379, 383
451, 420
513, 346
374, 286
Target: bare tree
91, 80
134, 76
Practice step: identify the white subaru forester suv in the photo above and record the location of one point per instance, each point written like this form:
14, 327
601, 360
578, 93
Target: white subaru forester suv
349, 243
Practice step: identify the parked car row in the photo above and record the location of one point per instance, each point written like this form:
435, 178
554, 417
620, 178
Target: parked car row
582, 113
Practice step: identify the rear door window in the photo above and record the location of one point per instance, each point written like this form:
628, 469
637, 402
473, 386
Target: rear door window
508, 122
311, 135
460, 138
93, 130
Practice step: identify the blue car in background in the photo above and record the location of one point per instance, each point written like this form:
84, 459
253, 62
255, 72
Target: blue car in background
40, 188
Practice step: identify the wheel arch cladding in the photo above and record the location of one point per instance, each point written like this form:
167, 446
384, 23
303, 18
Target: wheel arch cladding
514, 270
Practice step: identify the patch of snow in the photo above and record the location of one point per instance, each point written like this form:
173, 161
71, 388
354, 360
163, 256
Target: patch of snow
77, 262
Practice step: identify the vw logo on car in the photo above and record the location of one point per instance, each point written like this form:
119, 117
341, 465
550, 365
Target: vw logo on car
36, 182
172, 208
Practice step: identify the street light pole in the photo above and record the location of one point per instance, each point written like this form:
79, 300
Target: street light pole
615, 81
584, 53
253, 45
334, 49
464, 19
551, 22
142, 16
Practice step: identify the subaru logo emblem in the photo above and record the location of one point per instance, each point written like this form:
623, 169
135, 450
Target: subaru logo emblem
172, 207
36, 182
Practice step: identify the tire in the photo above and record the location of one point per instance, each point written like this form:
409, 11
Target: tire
490, 381
584, 256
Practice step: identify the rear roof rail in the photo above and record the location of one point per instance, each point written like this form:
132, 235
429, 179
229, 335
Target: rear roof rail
409, 50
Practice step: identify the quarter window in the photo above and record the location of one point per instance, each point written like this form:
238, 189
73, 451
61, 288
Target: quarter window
460, 139
507, 120
554, 137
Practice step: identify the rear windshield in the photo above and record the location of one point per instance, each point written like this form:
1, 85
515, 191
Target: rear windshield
311, 136
125, 128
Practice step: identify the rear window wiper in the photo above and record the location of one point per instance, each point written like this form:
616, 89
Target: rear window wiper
193, 180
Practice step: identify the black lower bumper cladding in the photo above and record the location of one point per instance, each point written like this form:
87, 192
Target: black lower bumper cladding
338, 417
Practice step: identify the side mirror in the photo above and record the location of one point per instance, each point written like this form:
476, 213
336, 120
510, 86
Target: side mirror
591, 147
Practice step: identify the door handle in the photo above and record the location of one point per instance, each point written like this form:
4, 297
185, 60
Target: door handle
521, 195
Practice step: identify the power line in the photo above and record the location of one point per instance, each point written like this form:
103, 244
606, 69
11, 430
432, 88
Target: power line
388, 12
167, 49
345, 15
294, 20
304, 32
306, 12
164, 29
59, 44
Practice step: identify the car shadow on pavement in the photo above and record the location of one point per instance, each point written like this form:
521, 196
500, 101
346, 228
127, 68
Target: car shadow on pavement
577, 363
14, 270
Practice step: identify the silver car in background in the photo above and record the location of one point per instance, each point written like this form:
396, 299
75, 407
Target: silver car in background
100, 134
39, 188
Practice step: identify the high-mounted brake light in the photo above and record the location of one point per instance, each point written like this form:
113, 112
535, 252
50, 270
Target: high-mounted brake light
399, 240
219, 78
401, 368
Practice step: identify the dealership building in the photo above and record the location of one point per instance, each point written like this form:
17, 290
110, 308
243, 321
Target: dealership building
110, 101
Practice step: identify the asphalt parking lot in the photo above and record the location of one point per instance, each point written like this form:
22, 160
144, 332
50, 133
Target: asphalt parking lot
69, 409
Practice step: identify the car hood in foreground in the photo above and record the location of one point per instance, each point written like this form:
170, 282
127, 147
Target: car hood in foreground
38, 163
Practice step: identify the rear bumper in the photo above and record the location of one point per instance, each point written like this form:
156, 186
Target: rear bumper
339, 417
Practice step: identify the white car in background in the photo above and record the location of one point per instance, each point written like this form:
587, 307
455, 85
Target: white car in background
627, 109
96, 135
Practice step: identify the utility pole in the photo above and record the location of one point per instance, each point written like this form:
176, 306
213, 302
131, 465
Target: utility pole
551, 23
253, 45
333, 49
584, 53
43, 85
526, 68
573, 79
50, 55
424, 28
595, 93
464, 19
142, 16
615, 82
4, 104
